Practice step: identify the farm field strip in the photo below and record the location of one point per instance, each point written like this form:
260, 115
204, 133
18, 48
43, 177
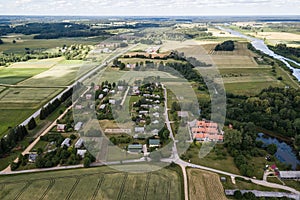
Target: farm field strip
95, 183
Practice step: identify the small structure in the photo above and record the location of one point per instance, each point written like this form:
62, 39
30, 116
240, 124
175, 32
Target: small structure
223, 179
154, 143
78, 107
183, 114
61, 127
66, 142
79, 143
120, 88
155, 132
32, 157
88, 96
143, 112
156, 114
135, 148
112, 101
139, 129
78, 126
81, 152
155, 122
289, 175
105, 90
102, 106
100, 96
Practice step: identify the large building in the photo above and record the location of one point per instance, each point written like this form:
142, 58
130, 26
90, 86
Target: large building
289, 175
206, 131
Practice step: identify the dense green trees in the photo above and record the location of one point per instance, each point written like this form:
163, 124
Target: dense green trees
290, 52
10, 140
31, 124
1, 42
225, 46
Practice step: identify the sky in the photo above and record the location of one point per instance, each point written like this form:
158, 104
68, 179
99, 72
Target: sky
149, 7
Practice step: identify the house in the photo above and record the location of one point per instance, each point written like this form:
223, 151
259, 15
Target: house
135, 148
206, 131
66, 142
100, 96
78, 126
289, 175
96, 87
61, 127
139, 129
78, 107
120, 88
155, 122
143, 112
79, 143
112, 101
156, 107
105, 90
88, 96
81, 152
156, 114
32, 157
183, 114
155, 132
157, 101
112, 92
154, 143
102, 106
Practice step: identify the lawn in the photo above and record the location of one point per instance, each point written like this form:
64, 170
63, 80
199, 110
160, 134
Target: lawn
213, 160
204, 185
93, 183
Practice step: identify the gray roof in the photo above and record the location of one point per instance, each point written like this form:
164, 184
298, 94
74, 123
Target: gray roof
290, 174
154, 142
66, 142
135, 146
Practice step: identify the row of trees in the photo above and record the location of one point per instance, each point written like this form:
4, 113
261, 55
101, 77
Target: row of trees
47, 110
290, 52
12, 138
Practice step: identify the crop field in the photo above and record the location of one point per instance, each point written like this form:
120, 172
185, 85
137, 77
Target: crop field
204, 185
93, 183
62, 74
27, 41
12, 76
44, 63
26, 98
10, 118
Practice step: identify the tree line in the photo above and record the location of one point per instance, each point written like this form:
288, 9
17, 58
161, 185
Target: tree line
225, 46
289, 52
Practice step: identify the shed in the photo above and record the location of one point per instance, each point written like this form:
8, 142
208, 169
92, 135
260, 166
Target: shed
137, 148
154, 143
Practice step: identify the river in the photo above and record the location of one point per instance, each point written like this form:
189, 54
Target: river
260, 45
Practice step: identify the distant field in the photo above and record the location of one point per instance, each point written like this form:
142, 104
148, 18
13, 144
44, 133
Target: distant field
10, 75
93, 183
204, 185
44, 63
27, 41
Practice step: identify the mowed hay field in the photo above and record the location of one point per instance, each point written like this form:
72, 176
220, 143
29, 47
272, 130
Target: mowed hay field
93, 183
241, 74
204, 185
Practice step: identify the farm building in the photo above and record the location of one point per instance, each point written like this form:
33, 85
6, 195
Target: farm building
66, 142
289, 175
61, 127
32, 157
139, 129
206, 131
136, 148
154, 143
78, 126
79, 143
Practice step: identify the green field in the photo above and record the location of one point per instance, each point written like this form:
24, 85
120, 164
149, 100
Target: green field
93, 183
14, 75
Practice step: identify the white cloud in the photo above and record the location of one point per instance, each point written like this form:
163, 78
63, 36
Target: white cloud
146, 7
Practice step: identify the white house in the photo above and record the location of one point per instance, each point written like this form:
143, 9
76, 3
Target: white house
79, 143
66, 142
81, 152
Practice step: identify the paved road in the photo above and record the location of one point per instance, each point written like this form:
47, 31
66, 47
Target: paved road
84, 77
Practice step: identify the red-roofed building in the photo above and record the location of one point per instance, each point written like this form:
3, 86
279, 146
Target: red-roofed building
207, 131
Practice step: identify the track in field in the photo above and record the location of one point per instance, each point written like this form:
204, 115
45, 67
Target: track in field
52, 182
